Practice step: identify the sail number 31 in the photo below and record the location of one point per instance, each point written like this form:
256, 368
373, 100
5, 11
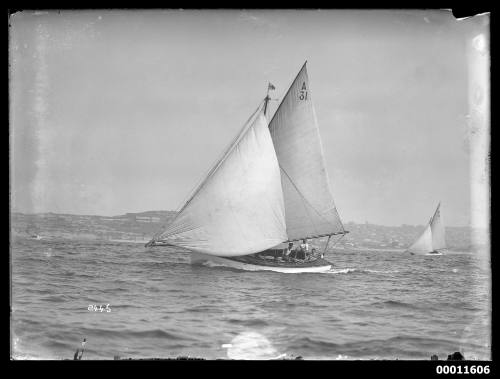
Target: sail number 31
303, 92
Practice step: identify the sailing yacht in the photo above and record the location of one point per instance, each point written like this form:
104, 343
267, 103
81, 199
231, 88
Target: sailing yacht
269, 188
431, 241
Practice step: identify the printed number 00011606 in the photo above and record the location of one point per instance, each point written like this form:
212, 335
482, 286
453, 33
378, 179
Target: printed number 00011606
450, 369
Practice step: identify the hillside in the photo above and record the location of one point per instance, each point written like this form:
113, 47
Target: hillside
130, 226
142, 226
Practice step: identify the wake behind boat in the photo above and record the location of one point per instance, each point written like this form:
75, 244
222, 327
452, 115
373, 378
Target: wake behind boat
270, 187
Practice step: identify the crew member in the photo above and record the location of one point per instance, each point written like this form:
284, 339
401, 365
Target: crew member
304, 248
288, 251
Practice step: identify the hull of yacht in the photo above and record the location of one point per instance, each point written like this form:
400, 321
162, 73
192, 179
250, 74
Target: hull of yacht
434, 252
250, 263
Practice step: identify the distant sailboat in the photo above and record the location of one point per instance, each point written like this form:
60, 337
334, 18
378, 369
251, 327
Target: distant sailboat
270, 187
432, 240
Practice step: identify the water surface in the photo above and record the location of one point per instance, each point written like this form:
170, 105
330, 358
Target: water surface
371, 305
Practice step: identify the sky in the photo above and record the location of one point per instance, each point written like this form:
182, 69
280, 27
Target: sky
126, 111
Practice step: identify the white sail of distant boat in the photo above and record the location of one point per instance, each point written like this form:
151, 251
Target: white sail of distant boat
270, 187
432, 239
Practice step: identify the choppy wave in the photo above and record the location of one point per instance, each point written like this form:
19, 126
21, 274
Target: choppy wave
127, 333
212, 264
252, 323
406, 347
395, 304
359, 270
366, 307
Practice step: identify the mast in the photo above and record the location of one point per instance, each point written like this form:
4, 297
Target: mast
266, 100
270, 87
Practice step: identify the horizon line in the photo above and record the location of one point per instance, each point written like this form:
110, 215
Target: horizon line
344, 223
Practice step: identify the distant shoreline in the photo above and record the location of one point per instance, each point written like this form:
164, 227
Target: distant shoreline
140, 227
155, 212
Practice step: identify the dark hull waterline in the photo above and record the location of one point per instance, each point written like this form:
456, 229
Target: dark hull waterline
252, 263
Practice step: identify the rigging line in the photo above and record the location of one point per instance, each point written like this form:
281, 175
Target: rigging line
326, 246
342, 236
179, 229
308, 203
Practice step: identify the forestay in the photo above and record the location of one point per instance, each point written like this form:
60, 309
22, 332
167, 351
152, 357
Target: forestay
309, 207
239, 208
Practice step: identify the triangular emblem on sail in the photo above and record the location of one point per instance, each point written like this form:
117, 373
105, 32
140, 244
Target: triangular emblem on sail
432, 239
309, 207
238, 209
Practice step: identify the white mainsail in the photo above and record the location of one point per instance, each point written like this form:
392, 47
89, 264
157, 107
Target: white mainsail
309, 207
239, 208
432, 238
